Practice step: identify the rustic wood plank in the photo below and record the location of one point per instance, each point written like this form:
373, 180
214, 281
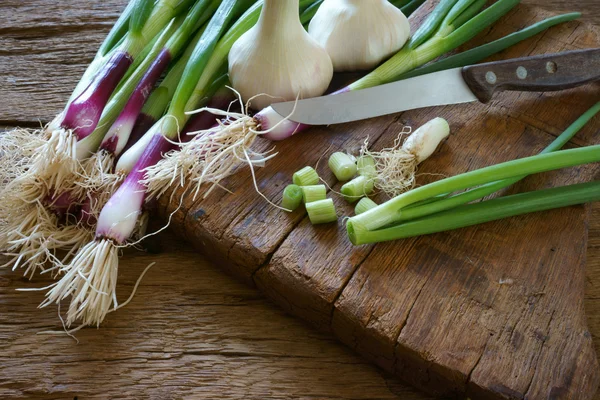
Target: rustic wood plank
44, 49
191, 332
63, 380
313, 267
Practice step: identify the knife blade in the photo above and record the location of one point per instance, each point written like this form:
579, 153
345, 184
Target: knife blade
548, 72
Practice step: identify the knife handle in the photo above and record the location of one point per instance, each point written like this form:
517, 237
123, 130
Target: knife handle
543, 73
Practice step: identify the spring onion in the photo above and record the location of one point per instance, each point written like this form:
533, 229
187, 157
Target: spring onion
395, 167
321, 212
82, 114
443, 203
390, 211
118, 135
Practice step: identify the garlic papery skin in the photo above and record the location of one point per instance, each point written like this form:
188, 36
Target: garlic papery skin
276, 60
359, 34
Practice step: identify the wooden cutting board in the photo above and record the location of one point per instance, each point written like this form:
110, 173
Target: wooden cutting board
493, 311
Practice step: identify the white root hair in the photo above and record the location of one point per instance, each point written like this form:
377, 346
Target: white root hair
98, 176
211, 156
91, 280
56, 160
395, 167
34, 239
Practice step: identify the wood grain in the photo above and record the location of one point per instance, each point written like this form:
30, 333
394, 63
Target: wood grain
244, 348
368, 295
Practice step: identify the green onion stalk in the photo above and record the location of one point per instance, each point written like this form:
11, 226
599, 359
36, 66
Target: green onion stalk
35, 231
485, 211
90, 278
448, 202
391, 211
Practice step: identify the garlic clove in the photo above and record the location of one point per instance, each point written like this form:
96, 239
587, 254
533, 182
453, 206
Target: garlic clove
276, 60
359, 34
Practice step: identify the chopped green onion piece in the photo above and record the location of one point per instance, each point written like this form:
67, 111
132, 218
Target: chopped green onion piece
321, 212
358, 187
305, 177
313, 193
292, 197
365, 204
342, 166
366, 166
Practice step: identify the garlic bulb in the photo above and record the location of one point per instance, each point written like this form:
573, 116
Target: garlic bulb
276, 60
359, 34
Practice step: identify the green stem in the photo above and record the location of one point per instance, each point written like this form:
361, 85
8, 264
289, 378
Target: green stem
199, 59
411, 7
117, 32
460, 7
310, 11
486, 211
413, 212
124, 91
431, 24
472, 10
480, 53
446, 38
390, 211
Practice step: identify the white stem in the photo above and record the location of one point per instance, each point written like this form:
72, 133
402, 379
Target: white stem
423, 142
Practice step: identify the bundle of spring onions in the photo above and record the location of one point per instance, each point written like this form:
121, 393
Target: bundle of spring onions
75, 193
443, 205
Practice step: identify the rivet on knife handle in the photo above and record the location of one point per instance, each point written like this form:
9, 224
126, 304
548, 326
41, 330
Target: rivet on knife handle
534, 74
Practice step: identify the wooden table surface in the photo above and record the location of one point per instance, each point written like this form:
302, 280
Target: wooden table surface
236, 344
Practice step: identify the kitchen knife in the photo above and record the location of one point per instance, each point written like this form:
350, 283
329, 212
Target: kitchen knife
550, 72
